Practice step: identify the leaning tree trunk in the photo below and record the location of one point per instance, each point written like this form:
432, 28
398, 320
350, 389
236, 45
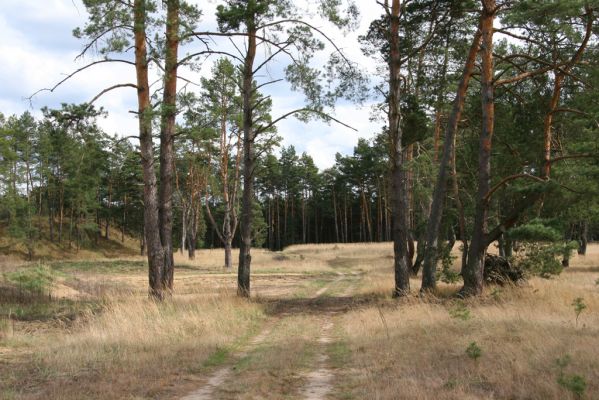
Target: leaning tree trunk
152, 242
245, 258
399, 206
434, 222
167, 136
473, 273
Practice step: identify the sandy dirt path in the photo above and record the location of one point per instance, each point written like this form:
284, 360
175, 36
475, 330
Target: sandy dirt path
222, 375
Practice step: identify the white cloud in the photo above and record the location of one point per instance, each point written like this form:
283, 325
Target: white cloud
37, 50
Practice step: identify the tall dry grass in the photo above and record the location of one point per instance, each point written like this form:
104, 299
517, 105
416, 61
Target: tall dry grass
415, 349
135, 347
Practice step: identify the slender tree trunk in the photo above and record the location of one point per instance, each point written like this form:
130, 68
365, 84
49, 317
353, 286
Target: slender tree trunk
245, 258
192, 229
473, 273
409, 193
71, 219
191, 246
335, 217
316, 236
398, 174
124, 220
184, 223
379, 213
436, 214
107, 227
152, 241
228, 254
345, 220
278, 224
304, 221
60, 216
584, 238
167, 137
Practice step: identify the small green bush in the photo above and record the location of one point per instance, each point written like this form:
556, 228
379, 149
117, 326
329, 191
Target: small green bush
474, 351
540, 247
579, 307
542, 259
447, 274
460, 311
572, 382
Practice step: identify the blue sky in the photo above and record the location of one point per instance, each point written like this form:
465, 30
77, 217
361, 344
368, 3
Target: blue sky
37, 50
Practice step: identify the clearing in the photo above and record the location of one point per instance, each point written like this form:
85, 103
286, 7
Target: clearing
320, 325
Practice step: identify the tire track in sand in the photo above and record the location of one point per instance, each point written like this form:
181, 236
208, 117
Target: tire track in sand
320, 381
223, 374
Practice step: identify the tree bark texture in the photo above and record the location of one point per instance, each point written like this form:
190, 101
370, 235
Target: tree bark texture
473, 273
249, 160
399, 203
153, 244
167, 136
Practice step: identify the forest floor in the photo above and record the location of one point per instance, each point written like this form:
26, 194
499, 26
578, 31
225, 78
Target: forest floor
320, 325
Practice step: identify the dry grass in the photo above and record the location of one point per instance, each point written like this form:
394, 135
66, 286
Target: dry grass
135, 347
416, 349
382, 348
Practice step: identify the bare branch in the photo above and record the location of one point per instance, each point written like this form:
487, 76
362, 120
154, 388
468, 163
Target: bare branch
273, 55
266, 83
69, 76
509, 179
300, 22
301, 110
120, 85
210, 52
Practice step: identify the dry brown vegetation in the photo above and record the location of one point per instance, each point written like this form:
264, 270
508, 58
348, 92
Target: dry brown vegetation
106, 340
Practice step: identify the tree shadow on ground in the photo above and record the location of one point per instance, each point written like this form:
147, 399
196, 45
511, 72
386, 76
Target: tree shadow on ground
319, 305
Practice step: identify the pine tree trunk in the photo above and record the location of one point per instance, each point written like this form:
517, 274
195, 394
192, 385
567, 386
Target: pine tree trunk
228, 255
335, 217
228, 239
399, 204
245, 258
167, 137
191, 246
107, 227
184, 224
584, 238
152, 242
473, 273
278, 224
124, 224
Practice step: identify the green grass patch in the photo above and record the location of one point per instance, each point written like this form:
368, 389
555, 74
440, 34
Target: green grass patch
103, 267
219, 357
62, 309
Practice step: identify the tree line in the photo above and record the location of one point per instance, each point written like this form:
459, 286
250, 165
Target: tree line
487, 117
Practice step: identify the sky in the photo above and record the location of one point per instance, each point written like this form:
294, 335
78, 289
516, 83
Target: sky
37, 50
